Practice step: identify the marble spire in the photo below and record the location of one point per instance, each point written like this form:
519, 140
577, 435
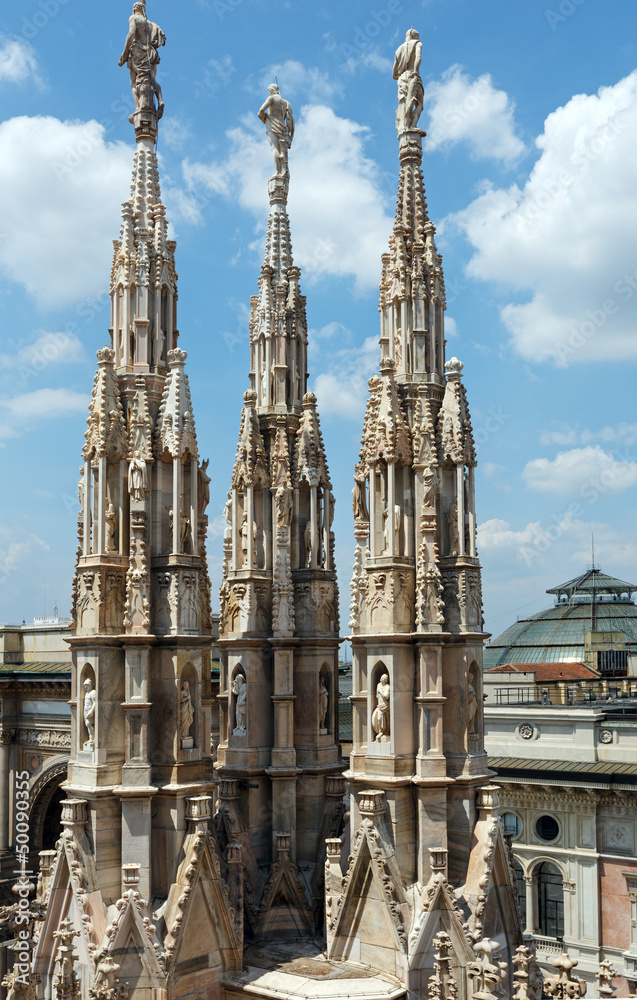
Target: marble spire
141, 633
418, 775
279, 598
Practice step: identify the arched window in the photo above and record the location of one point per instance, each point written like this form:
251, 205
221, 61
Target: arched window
550, 898
520, 887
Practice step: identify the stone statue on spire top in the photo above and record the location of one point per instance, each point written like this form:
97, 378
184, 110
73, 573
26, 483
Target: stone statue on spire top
277, 115
410, 89
140, 54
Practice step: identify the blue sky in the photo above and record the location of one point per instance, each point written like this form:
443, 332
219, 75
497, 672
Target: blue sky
531, 110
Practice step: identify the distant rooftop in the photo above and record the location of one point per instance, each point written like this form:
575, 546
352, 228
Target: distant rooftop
595, 584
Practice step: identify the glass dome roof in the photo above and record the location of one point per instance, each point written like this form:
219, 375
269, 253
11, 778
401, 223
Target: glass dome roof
593, 601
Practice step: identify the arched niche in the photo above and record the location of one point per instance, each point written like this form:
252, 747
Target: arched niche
325, 700
45, 812
238, 707
474, 703
380, 704
187, 708
87, 723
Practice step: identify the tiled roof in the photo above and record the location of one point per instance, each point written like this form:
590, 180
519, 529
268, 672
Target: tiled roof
546, 672
600, 767
35, 667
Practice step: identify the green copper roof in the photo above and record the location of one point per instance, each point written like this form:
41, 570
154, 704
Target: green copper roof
594, 582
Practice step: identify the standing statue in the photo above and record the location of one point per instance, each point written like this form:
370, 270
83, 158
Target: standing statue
277, 115
227, 517
245, 538
454, 536
203, 488
410, 90
186, 711
140, 54
80, 487
472, 703
324, 700
359, 498
380, 715
307, 540
430, 483
90, 697
110, 528
240, 691
138, 477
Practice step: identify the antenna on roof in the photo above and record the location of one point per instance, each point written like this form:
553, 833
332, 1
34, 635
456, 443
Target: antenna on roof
593, 547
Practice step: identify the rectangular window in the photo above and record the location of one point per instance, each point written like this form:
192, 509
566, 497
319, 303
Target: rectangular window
612, 662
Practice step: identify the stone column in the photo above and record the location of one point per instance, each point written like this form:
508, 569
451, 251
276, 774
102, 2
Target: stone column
391, 503
460, 499
250, 512
236, 530
372, 512
194, 503
88, 494
531, 906
176, 539
472, 512
6, 738
314, 524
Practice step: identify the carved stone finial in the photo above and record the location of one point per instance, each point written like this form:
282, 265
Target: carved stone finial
486, 975
453, 368
277, 116
410, 89
142, 58
105, 356
250, 397
66, 984
131, 875
604, 976
372, 802
177, 357
442, 985
561, 984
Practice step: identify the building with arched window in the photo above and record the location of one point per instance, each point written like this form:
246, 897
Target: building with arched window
567, 767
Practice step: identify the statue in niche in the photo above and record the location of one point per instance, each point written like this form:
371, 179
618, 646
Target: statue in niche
410, 89
110, 528
245, 538
186, 711
90, 698
284, 507
472, 703
185, 534
80, 488
277, 116
430, 485
264, 386
240, 691
454, 537
138, 486
307, 540
324, 700
227, 517
380, 715
359, 498
203, 488
140, 54
398, 514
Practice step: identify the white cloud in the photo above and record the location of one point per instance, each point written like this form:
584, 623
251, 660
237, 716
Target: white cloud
520, 564
451, 327
297, 80
341, 391
49, 403
16, 546
622, 433
565, 240
581, 471
216, 74
47, 349
61, 187
474, 112
337, 209
18, 61
175, 132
